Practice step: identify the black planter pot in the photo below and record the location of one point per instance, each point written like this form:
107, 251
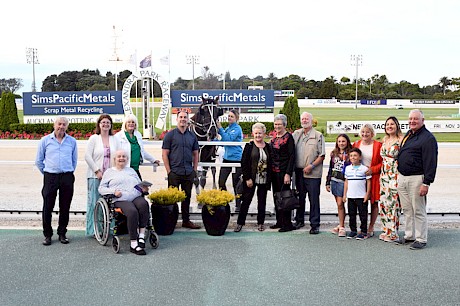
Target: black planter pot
215, 219
164, 218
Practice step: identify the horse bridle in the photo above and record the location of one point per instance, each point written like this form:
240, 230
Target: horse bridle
202, 126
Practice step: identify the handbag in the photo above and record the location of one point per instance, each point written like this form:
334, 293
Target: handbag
287, 199
239, 187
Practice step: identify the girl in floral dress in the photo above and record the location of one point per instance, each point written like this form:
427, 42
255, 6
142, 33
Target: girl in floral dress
390, 207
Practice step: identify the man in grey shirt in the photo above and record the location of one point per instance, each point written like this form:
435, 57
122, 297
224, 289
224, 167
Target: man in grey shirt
310, 153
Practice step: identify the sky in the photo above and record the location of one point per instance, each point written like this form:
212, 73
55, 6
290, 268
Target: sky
415, 41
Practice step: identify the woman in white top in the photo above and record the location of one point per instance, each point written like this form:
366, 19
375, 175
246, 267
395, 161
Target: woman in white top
124, 184
99, 154
131, 142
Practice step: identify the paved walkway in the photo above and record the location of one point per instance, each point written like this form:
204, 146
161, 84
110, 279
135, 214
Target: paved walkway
247, 268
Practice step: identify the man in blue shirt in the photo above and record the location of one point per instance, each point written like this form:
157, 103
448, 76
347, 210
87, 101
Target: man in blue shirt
180, 157
417, 163
57, 159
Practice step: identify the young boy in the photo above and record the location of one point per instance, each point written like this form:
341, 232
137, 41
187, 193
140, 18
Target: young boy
357, 191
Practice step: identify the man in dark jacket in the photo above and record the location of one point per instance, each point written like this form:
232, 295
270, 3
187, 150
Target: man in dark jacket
417, 162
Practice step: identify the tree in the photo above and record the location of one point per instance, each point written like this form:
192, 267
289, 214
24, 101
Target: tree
8, 111
292, 112
10, 85
344, 80
328, 89
209, 80
444, 82
272, 79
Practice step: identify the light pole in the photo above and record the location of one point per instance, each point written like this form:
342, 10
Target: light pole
115, 58
32, 58
356, 60
193, 59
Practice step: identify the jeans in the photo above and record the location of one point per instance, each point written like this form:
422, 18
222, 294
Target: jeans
312, 187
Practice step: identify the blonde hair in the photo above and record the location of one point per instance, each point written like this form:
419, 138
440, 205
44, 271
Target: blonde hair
370, 127
259, 125
127, 118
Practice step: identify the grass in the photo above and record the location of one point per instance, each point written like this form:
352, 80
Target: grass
323, 115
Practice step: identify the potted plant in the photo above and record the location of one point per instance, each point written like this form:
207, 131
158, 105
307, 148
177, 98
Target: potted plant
216, 211
165, 210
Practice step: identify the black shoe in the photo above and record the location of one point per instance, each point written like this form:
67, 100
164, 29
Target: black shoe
275, 226
141, 242
63, 239
298, 225
286, 229
238, 228
314, 231
47, 241
403, 241
137, 250
417, 245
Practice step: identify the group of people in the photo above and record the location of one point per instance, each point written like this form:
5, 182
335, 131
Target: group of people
288, 161
392, 174
113, 168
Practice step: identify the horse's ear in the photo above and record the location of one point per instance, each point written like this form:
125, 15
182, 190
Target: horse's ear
216, 100
203, 100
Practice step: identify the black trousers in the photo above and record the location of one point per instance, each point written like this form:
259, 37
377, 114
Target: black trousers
248, 194
137, 214
283, 217
52, 183
223, 176
355, 206
185, 182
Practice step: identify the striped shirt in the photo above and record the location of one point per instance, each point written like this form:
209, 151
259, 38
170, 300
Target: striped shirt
356, 176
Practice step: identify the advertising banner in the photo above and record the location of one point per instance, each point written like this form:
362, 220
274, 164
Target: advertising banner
72, 103
435, 126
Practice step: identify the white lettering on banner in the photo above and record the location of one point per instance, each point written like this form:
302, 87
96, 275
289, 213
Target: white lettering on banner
126, 92
435, 126
224, 97
59, 98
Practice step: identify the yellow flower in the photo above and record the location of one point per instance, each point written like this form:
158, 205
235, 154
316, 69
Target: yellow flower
215, 197
169, 196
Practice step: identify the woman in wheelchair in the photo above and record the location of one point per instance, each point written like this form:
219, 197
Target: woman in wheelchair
123, 182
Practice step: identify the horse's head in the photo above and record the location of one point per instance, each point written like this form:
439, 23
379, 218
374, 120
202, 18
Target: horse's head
205, 119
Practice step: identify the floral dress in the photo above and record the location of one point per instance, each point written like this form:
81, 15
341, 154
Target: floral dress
390, 207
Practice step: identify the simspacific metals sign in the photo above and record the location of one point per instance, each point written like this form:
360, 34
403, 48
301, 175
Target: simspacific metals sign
69, 103
227, 98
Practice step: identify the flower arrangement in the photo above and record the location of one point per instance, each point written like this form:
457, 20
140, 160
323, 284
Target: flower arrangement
168, 196
215, 197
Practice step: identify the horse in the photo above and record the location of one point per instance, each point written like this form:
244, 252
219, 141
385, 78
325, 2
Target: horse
204, 124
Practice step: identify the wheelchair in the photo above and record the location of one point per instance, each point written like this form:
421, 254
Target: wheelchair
110, 219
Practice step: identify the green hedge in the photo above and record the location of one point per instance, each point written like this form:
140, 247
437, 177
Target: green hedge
44, 128
88, 128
